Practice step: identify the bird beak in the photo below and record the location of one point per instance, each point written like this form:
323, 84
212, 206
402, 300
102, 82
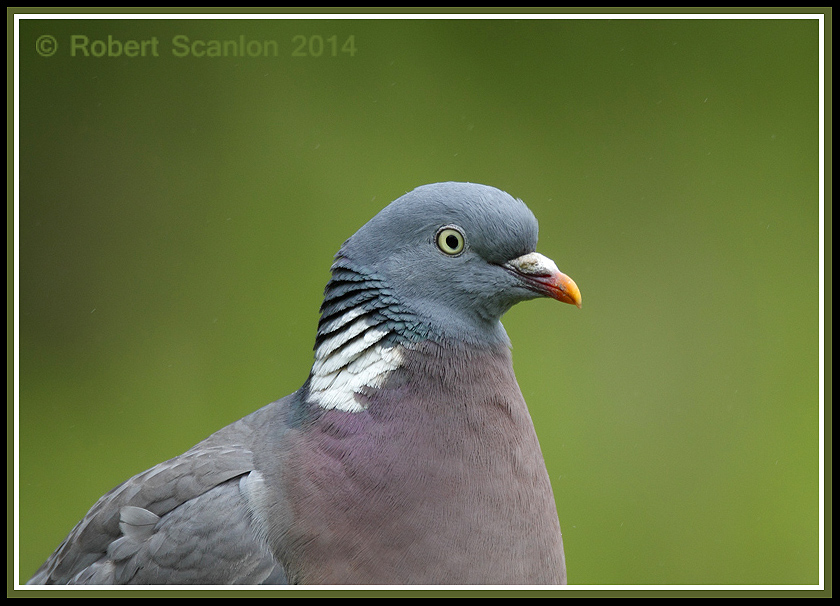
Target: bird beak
541, 275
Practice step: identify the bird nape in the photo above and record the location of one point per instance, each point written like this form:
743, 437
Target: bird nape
408, 455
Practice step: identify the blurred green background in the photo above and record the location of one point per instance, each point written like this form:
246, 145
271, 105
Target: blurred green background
178, 217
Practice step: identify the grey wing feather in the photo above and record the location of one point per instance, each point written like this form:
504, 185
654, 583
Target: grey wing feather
189, 520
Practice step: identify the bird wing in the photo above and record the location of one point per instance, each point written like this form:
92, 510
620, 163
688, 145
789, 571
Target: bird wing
188, 520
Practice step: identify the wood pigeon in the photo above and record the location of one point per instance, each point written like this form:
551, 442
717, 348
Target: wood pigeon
407, 457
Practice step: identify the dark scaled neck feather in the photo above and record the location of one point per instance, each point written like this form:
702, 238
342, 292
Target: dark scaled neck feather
352, 294
362, 335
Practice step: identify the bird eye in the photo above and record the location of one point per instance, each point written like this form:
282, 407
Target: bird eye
450, 240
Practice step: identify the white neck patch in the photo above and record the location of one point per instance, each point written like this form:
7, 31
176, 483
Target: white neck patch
350, 360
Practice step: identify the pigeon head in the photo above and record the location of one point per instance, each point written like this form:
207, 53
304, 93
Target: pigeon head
442, 263
457, 256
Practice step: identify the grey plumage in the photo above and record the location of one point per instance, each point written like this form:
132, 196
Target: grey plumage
407, 456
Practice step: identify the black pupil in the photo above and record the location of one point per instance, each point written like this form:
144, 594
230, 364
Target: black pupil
452, 241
